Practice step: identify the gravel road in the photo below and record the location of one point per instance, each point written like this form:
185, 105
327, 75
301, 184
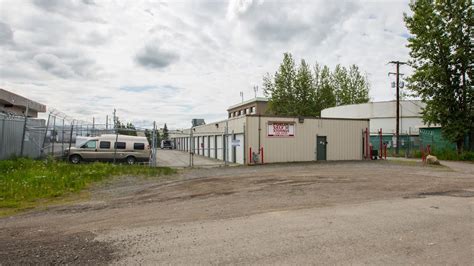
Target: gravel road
332, 213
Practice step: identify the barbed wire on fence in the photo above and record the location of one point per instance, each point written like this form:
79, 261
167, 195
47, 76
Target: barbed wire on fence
36, 137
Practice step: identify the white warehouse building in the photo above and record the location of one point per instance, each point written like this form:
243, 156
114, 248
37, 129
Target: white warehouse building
382, 115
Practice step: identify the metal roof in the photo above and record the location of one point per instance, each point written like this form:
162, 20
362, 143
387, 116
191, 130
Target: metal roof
10, 98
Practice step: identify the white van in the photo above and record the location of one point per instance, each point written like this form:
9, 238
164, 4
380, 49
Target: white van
130, 149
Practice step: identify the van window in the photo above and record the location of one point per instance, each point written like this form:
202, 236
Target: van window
92, 144
138, 146
104, 145
120, 145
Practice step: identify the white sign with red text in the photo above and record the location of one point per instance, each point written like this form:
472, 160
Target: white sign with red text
281, 129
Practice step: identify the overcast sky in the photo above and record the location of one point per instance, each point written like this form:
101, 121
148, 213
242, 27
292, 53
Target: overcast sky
178, 60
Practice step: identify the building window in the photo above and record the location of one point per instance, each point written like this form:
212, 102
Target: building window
245, 111
252, 110
230, 115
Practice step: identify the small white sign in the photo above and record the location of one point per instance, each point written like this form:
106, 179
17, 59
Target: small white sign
236, 143
281, 129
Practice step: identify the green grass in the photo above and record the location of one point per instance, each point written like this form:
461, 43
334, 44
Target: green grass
453, 155
25, 183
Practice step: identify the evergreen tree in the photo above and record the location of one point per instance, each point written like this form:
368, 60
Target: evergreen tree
165, 132
441, 51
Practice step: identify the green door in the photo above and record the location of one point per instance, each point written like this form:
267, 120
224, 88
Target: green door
321, 148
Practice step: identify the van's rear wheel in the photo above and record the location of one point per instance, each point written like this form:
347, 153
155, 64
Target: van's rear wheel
75, 159
131, 160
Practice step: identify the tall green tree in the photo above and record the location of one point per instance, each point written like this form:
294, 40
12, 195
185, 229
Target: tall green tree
298, 91
149, 136
304, 92
441, 50
165, 132
325, 91
350, 86
281, 87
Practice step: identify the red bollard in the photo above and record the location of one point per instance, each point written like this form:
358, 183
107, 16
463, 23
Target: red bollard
422, 153
250, 155
261, 153
370, 152
385, 148
380, 145
367, 140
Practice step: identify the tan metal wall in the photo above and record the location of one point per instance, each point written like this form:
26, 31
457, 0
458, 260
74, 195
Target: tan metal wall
344, 139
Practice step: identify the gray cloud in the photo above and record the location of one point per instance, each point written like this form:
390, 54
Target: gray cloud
54, 65
81, 10
66, 67
275, 22
155, 57
6, 34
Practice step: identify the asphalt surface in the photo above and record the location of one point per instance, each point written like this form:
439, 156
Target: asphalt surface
180, 159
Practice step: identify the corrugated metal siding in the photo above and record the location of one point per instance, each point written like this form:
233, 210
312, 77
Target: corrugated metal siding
344, 139
11, 132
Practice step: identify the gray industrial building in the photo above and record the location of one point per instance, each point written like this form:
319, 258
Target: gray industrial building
14, 104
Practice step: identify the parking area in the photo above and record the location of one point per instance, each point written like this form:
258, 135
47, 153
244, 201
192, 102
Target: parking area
364, 212
180, 159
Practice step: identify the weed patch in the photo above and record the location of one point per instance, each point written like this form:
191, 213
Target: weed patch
25, 182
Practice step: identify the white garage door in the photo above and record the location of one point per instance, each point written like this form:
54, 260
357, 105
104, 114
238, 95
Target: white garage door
206, 145
239, 150
220, 150
212, 145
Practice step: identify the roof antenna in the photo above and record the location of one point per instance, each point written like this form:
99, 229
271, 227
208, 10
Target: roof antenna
255, 89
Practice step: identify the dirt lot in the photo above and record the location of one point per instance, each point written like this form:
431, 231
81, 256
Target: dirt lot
336, 212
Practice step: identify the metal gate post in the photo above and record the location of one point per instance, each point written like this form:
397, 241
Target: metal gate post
46, 133
53, 135
3, 136
24, 129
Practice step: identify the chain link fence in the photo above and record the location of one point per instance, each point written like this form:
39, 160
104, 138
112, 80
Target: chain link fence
413, 146
39, 138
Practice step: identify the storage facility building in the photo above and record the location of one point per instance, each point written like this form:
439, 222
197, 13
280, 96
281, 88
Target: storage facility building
255, 138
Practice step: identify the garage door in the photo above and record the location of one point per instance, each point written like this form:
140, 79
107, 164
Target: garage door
239, 150
206, 145
220, 150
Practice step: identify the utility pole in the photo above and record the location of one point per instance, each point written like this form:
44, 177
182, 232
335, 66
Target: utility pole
397, 129
255, 90
242, 95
